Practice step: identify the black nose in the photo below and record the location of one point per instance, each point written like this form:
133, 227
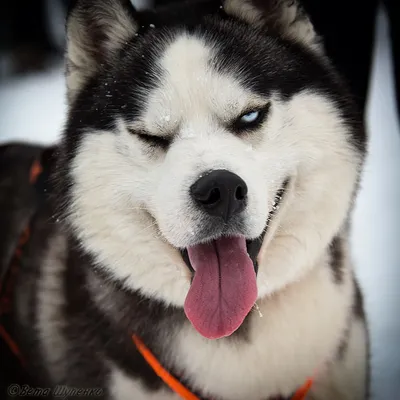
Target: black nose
220, 193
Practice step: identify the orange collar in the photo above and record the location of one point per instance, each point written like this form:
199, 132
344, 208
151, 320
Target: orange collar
180, 389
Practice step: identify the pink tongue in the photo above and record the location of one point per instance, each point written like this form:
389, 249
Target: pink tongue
224, 287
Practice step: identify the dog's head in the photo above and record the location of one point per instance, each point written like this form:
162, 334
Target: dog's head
210, 155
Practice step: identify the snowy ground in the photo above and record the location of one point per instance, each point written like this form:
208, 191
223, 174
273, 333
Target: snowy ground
32, 109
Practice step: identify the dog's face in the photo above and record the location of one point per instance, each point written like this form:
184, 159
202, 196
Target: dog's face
224, 140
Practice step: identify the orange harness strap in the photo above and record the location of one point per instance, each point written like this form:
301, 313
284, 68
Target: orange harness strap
168, 379
181, 390
302, 392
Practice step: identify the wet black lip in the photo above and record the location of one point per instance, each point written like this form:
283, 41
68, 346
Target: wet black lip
254, 245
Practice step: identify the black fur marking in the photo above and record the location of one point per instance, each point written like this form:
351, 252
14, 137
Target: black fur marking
358, 305
359, 313
118, 314
267, 64
356, 312
344, 342
336, 261
185, 13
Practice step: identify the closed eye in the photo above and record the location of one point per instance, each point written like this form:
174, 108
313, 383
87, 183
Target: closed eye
251, 119
152, 140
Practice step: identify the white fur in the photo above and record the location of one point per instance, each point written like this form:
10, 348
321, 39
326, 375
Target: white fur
346, 379
314, 144
122, 387
50, 300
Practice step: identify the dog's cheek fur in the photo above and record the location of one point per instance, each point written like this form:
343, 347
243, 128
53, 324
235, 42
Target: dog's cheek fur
327, 168
108, 214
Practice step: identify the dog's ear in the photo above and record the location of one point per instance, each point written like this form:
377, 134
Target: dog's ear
96, 30
286, 17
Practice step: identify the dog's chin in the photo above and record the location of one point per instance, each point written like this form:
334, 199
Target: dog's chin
253, 245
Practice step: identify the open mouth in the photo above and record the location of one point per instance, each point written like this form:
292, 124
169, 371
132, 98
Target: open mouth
224, 288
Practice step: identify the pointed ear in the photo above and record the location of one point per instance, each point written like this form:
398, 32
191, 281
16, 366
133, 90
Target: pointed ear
286, 17
96, 31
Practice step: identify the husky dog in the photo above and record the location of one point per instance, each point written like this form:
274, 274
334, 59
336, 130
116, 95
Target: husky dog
200, 200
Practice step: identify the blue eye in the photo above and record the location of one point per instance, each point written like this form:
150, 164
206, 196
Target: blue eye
250, 120
250, 117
